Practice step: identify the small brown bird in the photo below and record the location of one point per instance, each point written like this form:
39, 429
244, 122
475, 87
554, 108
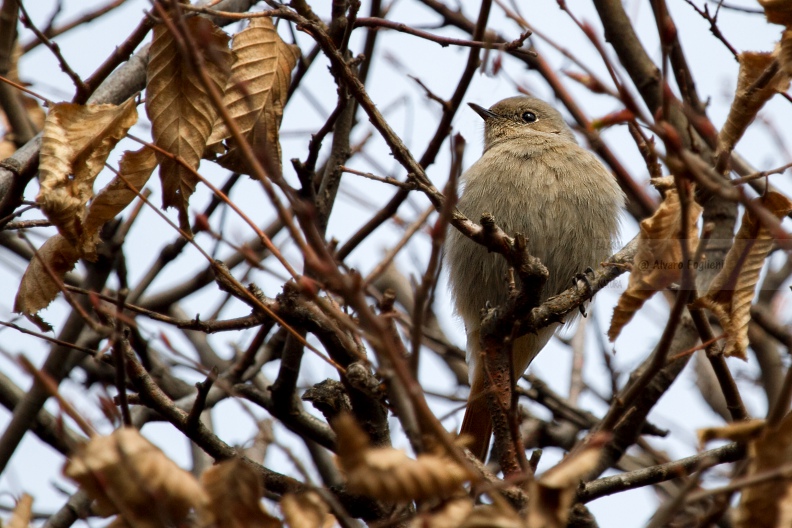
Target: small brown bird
536, 180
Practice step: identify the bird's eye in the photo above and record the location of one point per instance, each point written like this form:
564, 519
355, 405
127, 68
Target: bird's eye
529, 117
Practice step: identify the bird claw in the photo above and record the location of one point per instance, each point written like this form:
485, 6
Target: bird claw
584, 278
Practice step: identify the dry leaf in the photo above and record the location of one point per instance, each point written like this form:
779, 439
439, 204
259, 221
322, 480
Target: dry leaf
7, 149
13, 68
768, 504
255, 94
38, 287
22, 514
663, 183
35, 112
234, 490
180, 110
126, 474
785, 52
553, 494
37, 117
493, 517
7, 145
658, 258
748, 100
118, 522
135, 169
778, 11
389, 474
736, 432
732, 290
74, 147
451, 514
305, 510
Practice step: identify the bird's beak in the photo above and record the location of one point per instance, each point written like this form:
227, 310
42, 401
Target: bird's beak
483, 112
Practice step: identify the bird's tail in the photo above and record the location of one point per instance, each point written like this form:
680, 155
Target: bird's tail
477, 424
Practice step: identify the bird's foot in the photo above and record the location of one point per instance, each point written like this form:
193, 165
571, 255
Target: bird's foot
584, 278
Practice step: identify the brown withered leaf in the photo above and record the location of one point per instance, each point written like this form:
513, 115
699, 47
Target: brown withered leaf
736, 432
658, 258
34, 110
37, 116
135, 169
123, 471
234, 490
13, 68
451, 514
74, 147
768, 504
38, 287
7, 148
7, 145
785, 51
255, 94
180, 110
663, 183
732, 290
489, 516
389, 474
748, 100
305, 510
778, 11
23, 513
553, 493
118, 522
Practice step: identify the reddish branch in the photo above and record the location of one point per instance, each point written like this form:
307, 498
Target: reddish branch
514, 45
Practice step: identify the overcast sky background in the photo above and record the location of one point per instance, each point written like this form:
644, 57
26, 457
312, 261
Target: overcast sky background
35, 467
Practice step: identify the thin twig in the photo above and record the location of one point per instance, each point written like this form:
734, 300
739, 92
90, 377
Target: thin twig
119, 344
514, 45
422, 293
654, 475
384, 179
52, 387
49, 339
394, 251
200, 400
52, 32
55, 49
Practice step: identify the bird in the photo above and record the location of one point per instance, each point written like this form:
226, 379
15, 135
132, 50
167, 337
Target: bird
537, 180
